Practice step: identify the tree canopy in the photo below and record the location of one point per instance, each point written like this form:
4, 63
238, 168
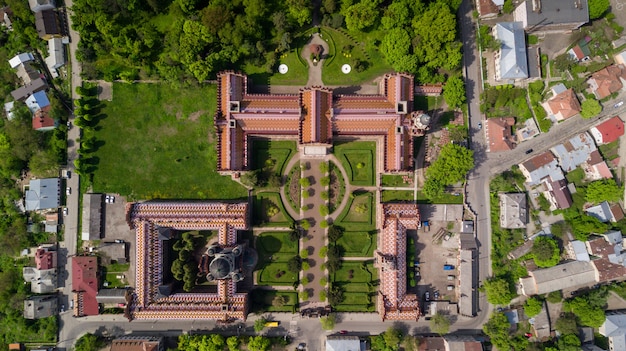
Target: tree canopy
498, 291
88, 342
597, 8
603, 190
588, 314
454, 92
533, 306
387, 341
590, 108
451, 166
545, 252
439, 324
497, 328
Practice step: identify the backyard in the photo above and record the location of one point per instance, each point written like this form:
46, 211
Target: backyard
275, 249
397, 195
359, 160
358, 280
157, 141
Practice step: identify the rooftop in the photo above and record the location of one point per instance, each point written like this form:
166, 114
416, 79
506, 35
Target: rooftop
513, 210
42, 194
575, 151
499, 134
85, 285
513, 62
608, 131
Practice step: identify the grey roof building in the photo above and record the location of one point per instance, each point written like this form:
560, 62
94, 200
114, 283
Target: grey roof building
21, 93
40, 5
42, 281
42, 194
43, 306
605, 212
541, 167
513, 210
511, 61
111, 296
344, 343
468, 288
575, 151
560, 277
92, 217
614, 328
552, 15
578, 250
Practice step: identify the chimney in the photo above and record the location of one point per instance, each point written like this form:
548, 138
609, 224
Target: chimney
537, 6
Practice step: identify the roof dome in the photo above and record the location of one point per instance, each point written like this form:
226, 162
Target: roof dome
220, 267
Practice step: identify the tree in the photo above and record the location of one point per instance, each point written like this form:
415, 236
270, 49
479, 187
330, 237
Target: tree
588, 315
603, 190
590, 108
440, 324
454, 92
597, 8
435, 36
305, 182
387, 341
259, 343
233, 343
294, 264
88, 342
328, 322
533, 306
567, 324
451, 166
569, 342
585, 225
564, 62
395, 46
250, 179
335, 295
545, 252
498, 291
305, 224
508, 6
458, 133
497, 328
278, 301
335, 232
259, 324
361, 15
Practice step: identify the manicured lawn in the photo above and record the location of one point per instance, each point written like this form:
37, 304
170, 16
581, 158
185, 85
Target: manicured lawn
396, 180
353, 279
277, 245
262, 300
375, 65
157, 141
353, 219
427, 103
359, 160
576, 176
276, 273
443, 199
118, 267
357, 244
277, 152
297, 74
352, 274
114, 281
263, 201
397, 195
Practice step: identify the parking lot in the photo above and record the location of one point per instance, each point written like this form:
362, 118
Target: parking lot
436, 246
116, 228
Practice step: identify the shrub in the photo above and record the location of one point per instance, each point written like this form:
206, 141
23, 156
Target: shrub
305, 224
305, 266
306, 194
272, 210
360, 165
324, 195
324, 224
304, 281
323, 281
555, 297
322, 296
322, 253
304, 253
324, 210
305, 182
324, 167
325, 181
304, 295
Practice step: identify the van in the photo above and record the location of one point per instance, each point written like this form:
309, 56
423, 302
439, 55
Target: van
450, 287
450, 277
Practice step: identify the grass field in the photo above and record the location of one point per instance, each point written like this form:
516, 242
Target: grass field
157, 141
352, 219
357, 244
280, 248
396, 180
397, 195
297, 74
261, 202
276, 152
443, 199
262, 300
358, 158
358, 295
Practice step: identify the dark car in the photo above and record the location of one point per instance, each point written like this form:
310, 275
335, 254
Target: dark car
529, 151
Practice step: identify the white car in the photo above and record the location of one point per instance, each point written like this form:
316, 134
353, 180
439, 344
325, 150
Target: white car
68, 190
65, 211
619, 104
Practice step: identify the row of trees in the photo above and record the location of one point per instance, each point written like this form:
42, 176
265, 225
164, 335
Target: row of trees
86, 111
450, 167
216, 342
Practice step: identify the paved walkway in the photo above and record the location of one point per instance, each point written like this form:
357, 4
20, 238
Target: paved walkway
315, 70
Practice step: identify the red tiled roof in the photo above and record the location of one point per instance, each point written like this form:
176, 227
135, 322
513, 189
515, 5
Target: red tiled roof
611, 129
42, 119
499, 134
134, 344
538, 161
85, 282
429, 89
487, 7
607, 81
566, 104
45, 259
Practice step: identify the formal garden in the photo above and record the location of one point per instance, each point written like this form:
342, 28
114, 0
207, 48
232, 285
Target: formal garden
268, 210
276, 250
358, 280
358, 158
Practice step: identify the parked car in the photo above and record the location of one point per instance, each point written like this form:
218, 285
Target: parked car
68, 190
619, 104
480, 125
427, 296
448, 267
436, 295
119, 241
529, 151
65, 211
343, 332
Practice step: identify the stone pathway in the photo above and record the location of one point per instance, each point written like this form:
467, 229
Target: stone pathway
315, 70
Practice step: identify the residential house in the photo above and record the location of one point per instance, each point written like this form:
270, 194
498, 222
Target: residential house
606, 212
37, 101
5, 17
577, 250
8, 109
499, 135
20, 59
45, 258
138, 343
92, 217
23, 68
608, 254
614, 328
36, 307
41, 5
462, 343
56, 59
47, 24
560, 277
557, 192
488, 8
581, 51
467, 292
521, 250
511, 60
43, 194
575, 151
85, 285
467, 227
344, 343
541, 167
432, 343
21, 93
528, 131
608, 131
39, 106
560, 16
595, 167
513, 210
607, 81
620, 58
42, 281
563, 105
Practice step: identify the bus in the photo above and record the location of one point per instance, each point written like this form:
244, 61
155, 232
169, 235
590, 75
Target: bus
271, 324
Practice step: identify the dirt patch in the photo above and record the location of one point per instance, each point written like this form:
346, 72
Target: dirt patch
179, 115
105, 90
196, 115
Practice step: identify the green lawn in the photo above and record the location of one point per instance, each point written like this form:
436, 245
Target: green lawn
157, 141
427, 103
118, 267
265, 152
353, 219
576, 176
375, 65
353, 276
261, 202
609, 151
359, 160
396, 180
443, 199
357, 244
275, 244
397, 195
114, 281
297, 74
276, 273
262, 300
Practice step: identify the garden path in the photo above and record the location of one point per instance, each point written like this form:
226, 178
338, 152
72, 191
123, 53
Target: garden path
315, 71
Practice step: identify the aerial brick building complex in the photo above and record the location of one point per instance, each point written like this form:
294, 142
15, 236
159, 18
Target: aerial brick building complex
316, 117
154, 223
393, 301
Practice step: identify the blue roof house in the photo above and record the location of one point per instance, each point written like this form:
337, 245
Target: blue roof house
43, 194
511, 61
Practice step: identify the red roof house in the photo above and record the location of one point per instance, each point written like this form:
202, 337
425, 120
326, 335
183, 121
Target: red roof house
499, 134
607, 81
45, 259
563, 106
85, 285
487, 8
608, 131
42, 120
